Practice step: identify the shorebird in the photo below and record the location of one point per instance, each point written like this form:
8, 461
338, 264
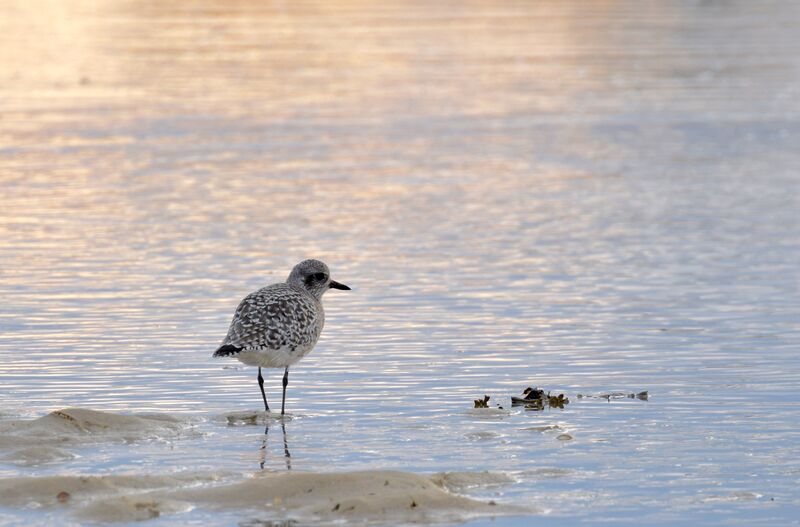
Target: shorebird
279, 324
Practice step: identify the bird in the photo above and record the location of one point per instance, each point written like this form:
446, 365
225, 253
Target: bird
280, 324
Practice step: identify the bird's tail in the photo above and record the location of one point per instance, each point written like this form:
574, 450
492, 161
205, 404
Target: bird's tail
226, 350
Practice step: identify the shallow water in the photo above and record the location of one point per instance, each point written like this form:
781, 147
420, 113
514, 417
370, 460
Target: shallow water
584, 197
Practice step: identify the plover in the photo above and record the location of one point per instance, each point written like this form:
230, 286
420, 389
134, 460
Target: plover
278, 325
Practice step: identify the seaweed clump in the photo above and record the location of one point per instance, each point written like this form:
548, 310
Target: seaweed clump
538, 399
482, 403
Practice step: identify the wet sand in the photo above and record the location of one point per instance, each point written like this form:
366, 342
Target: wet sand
370, 496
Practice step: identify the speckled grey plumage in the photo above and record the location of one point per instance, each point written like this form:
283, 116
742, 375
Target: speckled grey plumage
278, 325
274, 327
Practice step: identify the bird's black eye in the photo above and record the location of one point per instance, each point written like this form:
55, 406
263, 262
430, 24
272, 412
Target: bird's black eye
319, 277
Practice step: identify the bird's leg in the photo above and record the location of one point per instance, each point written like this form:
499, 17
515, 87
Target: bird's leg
286, 453
263, 449
261, 385
285, 383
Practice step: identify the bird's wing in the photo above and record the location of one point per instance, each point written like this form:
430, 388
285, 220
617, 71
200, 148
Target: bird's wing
274, 317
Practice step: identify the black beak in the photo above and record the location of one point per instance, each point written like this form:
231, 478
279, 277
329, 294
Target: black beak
337, 285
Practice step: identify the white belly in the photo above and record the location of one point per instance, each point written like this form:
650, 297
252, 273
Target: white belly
272, 358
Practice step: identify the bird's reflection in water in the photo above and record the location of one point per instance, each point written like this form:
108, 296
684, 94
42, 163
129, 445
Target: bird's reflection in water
287, 456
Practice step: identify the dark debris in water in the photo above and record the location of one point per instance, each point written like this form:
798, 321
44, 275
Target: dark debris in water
530, 394
482, 403
538, 399
642, 396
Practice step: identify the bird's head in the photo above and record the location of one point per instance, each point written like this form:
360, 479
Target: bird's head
313, 276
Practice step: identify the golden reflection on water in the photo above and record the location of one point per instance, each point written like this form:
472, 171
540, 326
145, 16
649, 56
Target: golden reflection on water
284, 60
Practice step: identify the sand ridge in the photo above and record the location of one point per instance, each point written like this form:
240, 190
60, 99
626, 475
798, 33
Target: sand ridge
460, 481
50, 491
366, 497
371, 497
31, 442
80, 425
